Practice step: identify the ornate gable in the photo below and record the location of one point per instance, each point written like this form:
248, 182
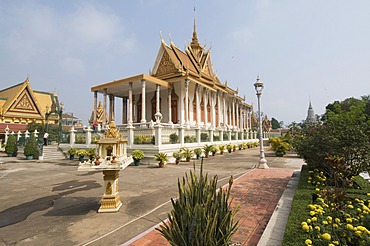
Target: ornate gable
24, 103
166, 65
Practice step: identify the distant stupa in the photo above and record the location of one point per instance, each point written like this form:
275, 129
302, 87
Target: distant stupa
311, 118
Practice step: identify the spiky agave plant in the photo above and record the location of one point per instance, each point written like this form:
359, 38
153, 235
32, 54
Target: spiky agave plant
202, 214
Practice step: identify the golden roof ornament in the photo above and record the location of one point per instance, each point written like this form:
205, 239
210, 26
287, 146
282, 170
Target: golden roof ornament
112, 132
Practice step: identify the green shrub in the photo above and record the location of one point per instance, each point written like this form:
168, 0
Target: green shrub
81, 152
91, 153
71, 151
214, 149
189, 139
207, 148
80, 139
278, 144
161, 157
204, 137
186, 153
198, 151
200, 215
30, 149
11, 147
174, 138
137, 154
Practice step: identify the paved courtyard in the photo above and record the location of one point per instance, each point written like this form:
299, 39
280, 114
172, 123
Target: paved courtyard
50, 203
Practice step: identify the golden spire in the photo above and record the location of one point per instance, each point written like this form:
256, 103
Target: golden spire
195, 41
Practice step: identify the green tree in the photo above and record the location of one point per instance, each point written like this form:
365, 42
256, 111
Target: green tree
274, 123
345, 135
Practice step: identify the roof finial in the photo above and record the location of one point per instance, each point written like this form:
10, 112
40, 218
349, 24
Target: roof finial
160, 34
28, 78
194, 40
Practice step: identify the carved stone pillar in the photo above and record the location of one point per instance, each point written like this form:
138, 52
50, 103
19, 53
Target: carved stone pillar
187, 102
143, 93
158, 87
197, 97
169, 106
205, 101
130, 118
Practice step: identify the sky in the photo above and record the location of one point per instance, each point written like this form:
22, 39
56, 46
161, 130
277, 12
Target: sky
302, 50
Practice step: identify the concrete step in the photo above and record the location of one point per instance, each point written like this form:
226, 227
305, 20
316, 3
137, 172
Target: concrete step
53, 153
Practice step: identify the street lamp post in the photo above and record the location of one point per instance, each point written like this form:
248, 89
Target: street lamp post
60, 122
259, 87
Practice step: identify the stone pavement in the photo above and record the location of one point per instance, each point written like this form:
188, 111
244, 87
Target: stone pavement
50, 203
257, 193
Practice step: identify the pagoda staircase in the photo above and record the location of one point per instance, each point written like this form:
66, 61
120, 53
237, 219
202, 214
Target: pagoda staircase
53, 153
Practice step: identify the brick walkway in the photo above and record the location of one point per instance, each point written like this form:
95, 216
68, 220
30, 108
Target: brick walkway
258, 193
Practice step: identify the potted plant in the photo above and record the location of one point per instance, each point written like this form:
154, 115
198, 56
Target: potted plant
198, 152
221, 148
113, 159
137, 155
229, 147
71, 152
234, 147
214, 150
91, 153
240, 146
162, 158
30, 149
279, 146
11, 147
177, 156
244, 145
207, 149
81, 154
186, 153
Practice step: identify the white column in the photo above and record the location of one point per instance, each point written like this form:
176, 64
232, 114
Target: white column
233, 111
237, 114
197, 97
187, 102
143, 119
224, 108
130, 120
205, 102
157, 98
124, 110
219, 109
111, 108
169, 106
213, 110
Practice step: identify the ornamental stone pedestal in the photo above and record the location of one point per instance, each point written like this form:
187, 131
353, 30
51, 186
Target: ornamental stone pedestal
111, 158
111, 201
